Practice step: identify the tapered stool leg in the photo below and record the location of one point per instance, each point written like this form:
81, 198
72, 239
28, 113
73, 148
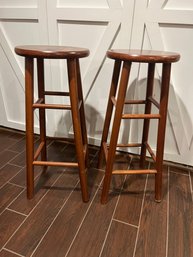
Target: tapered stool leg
29, 70
42, 116
82, 113
72, 75
161, 129
115, 129
149, 92
113, 90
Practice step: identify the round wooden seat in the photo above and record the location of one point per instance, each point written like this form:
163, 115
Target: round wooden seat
51, 52
149, 56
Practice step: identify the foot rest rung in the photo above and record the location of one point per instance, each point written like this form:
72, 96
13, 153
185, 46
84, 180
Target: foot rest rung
141, 116
125, 172
61, 164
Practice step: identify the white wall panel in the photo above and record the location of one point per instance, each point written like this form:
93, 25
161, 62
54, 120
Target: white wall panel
100, 25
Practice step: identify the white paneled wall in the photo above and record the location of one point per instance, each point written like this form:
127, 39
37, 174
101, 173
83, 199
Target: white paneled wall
100, 25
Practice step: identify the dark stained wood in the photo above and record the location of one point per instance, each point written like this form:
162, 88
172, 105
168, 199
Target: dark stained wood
44, 182
20, 178
19, 160
91, 228
180, 235
18, 146
42, 216
9, 222
7, 194
152, 232
130, 202
93, 231
120, 241
6, 156
8, 172
70, 217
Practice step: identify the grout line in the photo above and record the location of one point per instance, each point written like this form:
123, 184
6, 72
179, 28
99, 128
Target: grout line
13, 184
11, 210
13, 200
178, 173
56, 215
11, 179
54, 219
12, 252
105, 239
134, 251
32, 208
167, 215
126, 223
83, 219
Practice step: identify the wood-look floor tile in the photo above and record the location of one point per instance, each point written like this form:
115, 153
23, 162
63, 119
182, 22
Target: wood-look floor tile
35, 226
179, 170
153, 226
5, 253
6, 156
68, 221
130, 202
42, 184
19, 146
20, 178
9, 222
180, 235
5, 143
120, 241
92, 233
7, 194
7, 172
19, 160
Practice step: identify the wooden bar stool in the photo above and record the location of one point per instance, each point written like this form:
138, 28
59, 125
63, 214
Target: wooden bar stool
123, 61
72, 55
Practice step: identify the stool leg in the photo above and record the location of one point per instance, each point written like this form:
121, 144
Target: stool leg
82, 113
113, 90
29, 88
40, 68
161, 129
115, 129
72, 76
149, 92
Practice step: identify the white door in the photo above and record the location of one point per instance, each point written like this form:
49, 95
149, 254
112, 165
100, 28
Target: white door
100, 25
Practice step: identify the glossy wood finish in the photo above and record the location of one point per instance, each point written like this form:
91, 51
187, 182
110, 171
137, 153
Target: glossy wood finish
148, 56
126, 57
72, 55
51, 52
57, 222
